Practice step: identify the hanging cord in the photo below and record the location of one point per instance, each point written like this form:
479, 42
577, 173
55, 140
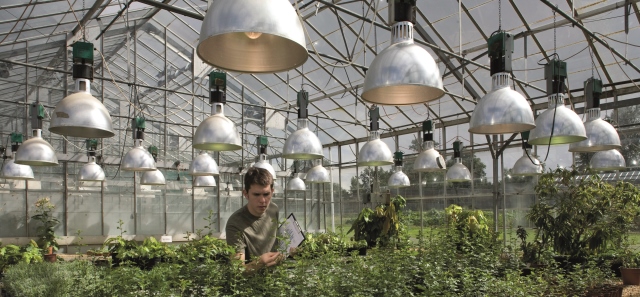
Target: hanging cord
555, 109
84, 31
499, 15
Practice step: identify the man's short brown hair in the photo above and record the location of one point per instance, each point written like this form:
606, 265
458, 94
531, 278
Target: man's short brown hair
257, 176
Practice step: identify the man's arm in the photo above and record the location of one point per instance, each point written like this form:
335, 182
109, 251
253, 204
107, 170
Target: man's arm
265, 260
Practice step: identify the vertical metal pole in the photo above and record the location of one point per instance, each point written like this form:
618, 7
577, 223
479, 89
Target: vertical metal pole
444, 149
101, 142
193, 132
340, 181
305, 207
495, 183
421, 201
504, 198
473, 177
166, 137
135, 81
360, 204
24, 132
333, 213
65, 166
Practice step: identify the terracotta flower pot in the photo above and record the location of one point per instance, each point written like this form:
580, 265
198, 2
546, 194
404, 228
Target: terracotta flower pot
51, 258
630, 276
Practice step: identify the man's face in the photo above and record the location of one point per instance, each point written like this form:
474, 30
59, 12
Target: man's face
258, 199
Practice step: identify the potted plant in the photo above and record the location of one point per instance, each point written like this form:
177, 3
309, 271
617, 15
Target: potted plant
381, 225
630, 269
46, 228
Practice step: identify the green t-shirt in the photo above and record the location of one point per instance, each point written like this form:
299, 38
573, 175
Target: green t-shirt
253, 235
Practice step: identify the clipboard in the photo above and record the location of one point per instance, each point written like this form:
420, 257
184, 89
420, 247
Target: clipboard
290, 229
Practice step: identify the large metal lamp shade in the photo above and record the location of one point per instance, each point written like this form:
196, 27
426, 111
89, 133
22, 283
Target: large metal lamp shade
217, 132
296, 184
36, 152
502, 110
203, 165
11, 170
81, 115
458, 173
557, 125
429, 160
404, 73
204, 181
601, 135
302, 144
398, 179
153, 178
608, 160
375, 152
318, 174
264, 164
91, 171
255, 36
527, 165
138, 159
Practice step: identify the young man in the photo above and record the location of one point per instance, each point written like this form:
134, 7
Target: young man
252, 228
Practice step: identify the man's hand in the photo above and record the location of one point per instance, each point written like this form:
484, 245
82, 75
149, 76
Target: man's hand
270, 259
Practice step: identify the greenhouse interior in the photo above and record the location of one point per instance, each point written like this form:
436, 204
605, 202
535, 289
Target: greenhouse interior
129, 125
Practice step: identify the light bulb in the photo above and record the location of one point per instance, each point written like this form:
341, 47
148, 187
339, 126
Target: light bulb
253, 35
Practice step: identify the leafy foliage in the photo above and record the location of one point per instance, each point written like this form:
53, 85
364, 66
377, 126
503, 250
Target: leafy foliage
47, 223
381, 225
579, 215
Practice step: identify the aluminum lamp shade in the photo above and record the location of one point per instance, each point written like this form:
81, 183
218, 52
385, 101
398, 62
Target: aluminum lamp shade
203, 165
568, 126
204, 181
11, 170
36, 152
81, 115
91, 171
262, 163
609, 160
375, 152
601, 135
429, 160
458, 173
255, 36
217, 132
153, 178
524, 166
404, 73
302, 144
398, 179
296, 184
138, 159
502, 110
318, 175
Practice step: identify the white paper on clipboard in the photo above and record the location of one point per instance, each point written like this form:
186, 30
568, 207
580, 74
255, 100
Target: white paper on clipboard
290, 233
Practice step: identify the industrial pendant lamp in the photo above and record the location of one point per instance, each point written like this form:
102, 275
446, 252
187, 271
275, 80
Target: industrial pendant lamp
398, 179
153, 177
558, 124
404, 73
11, 170
255, 36
80, 114
318, 174
203, 165
91, 171
302, 144
137, 158
608, 160
601, 135
458, 172
527, 165
36, 151
204, 181
262, 143
296, 183
217, 132
429, 160
375, 152
503, 110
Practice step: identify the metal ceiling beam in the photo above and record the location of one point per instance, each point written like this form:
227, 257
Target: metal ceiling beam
588, 32
172, 8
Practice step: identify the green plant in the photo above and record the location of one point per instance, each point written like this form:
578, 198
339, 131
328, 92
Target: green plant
79, 243
630, 259
580, 215
47, 223
381, 225
120, 248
